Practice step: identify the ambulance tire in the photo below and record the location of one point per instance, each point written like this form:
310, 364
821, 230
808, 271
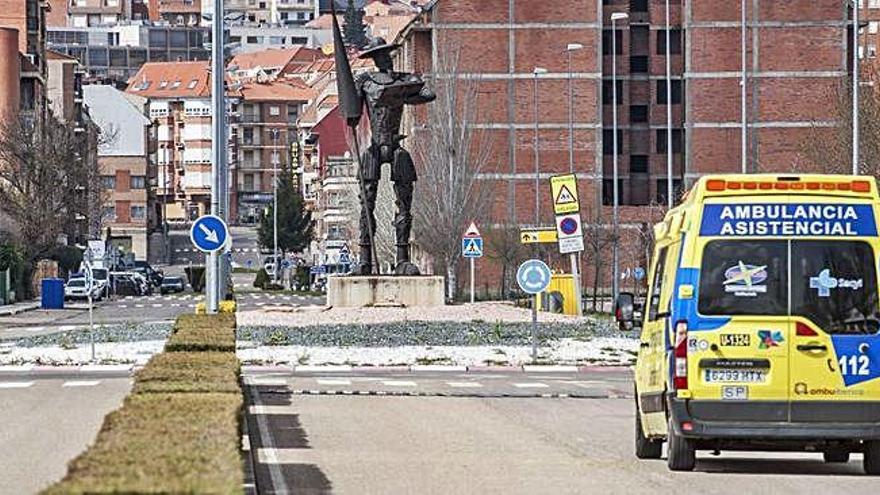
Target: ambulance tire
872, 457
681, 453
836, 455
645, 447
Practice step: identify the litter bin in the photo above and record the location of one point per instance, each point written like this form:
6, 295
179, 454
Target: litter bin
53, 293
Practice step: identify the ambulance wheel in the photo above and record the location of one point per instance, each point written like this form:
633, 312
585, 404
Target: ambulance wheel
681, 454
645, 447
872, 457
836, 455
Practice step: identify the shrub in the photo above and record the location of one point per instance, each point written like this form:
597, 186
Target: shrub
163, 443
194, 333
188, 372
262, 279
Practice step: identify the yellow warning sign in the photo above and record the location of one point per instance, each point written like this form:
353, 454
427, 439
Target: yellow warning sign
534, 236
565, 194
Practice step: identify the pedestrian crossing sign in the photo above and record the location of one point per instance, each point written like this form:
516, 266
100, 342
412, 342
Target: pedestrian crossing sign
472, 247
565, 194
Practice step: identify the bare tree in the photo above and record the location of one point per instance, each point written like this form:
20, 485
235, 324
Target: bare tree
452, 154
503, 245
830, 149
596, 242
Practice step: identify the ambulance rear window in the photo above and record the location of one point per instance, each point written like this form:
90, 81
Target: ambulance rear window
744, 277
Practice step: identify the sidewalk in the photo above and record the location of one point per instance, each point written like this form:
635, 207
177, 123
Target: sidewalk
14, 309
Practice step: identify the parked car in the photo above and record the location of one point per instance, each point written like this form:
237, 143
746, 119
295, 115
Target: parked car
126, 286
152, 275
78, 288
172, 285
138, 281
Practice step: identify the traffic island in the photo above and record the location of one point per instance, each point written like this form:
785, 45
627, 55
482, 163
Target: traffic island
179, 430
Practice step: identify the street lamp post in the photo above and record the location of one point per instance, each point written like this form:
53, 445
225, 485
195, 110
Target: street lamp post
275, 206
855, 89
218, 149
669, 200
744, 129
615, 274
572, 47
536, 72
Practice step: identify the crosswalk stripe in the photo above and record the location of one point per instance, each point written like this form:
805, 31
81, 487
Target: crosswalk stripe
530, 385
464, 384
81, 383
15, 384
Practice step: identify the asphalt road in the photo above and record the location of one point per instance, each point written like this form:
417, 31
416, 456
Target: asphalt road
49, 421
427, 443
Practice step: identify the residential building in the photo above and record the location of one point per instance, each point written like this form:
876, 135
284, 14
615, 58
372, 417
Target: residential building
797, 53
176, 12
115, 53
94, 13
254, 37
179, 105
273, 12
24, 27
267, 139
267, 64
128, 172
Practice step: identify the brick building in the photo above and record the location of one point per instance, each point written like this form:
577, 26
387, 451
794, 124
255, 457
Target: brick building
797, 53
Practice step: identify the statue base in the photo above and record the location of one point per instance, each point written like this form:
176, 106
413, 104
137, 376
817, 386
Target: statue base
383, 290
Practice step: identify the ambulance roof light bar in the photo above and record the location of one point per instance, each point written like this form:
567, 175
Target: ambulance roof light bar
786, 184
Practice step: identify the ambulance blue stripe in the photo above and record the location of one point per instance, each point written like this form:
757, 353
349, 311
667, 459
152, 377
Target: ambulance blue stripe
686, 309
848, 346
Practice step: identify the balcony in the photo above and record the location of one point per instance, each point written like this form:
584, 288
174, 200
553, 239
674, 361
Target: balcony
249, 118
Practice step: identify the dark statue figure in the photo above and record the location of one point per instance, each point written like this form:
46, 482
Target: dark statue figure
385, 92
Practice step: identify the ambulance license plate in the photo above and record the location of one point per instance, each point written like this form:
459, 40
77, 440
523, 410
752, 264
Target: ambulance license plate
735, 376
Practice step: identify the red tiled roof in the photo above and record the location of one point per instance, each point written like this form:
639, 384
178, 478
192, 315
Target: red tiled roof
171, 80
277, 91
325, 21
274, 57
53, 55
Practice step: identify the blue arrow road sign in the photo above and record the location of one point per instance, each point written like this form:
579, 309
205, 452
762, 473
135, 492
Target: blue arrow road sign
472, 247
533, 276
209, 233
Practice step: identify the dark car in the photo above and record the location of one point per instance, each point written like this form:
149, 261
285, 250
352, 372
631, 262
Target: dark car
152, 275
172, 284
127, 287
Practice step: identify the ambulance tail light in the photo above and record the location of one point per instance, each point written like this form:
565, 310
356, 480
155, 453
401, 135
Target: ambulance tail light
804, 330
680, 355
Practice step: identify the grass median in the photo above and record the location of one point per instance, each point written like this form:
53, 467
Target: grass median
179, 430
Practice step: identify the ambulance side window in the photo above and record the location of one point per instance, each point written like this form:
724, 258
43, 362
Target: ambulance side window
657, 284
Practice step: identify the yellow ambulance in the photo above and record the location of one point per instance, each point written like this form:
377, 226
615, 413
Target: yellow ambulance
760, 327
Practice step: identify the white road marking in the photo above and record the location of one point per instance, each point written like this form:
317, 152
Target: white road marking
529, 368
81, 383
530, 385
332, 381
464, 384
122, 306
15, 384
157, 305
267, 381
175, 305
398, 383
139, 305
278, 482
24, 368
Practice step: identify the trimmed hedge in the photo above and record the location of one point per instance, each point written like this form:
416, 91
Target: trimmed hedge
163, 443
179, 431
189, 372
201, 333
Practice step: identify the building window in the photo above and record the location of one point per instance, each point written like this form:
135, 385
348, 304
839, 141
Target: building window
108, 181
674, 41
109, 212
138, 212
248, 182
638, 64
677, 141
638, 114
138, 182
661, 190
638, 164
608, 142
661, 91
274, 110
608, 94
608, 192
606, 41
638, 5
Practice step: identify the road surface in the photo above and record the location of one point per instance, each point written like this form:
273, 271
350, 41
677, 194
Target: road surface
47, 421
308, 439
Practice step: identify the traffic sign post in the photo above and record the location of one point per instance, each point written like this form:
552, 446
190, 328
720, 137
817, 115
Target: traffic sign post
210, 234
533, 277
537, 236
472, 248
569, 231
90, 279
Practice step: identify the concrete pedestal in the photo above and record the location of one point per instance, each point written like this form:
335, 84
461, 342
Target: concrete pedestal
356, 292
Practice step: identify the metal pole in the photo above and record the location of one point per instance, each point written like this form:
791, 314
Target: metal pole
855, 90
577, 283
537, 158
616, 220
669, 199
218, 148
535, 327
472, 280
570, 117
275, 205
742, 83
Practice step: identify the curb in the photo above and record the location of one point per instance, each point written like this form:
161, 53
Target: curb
287, 369
21, 309
48, 371
395, 393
